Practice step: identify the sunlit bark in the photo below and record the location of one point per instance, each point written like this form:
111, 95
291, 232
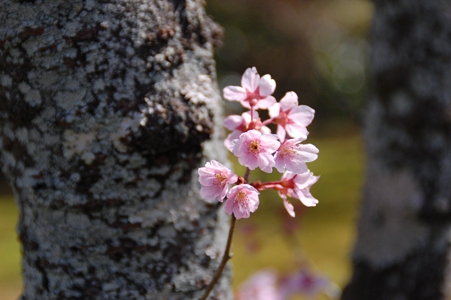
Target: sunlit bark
107, 108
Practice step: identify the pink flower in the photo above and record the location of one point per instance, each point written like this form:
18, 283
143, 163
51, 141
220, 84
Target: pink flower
297, 186
214, 178
293, 156
304, 282
242, 200
254, 91
261, 286
254, 149
290, 117
239, 124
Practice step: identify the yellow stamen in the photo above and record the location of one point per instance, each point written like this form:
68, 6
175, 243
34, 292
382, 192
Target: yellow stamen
254, 146
288, 151
241, 197
220, 178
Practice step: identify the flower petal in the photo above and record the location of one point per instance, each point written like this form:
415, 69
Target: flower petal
242, 200
249, 161
304, 180
265, 130
209, 193
206, 180
247, 116
267, 85
241, 212
302, 115
233, 121
250, 79
308, 152
307, 198
231, 138
289, 101
234, 93
265, 103
281, 133
229, 205
296, 131
223, 193
270, 142
295, 165
289, 207
279, 162
265, 162
274, 110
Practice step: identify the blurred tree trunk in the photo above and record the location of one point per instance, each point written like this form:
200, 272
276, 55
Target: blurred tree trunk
104, 106
403, 244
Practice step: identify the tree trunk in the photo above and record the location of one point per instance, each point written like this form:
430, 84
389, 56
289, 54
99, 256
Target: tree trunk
107, 109
403, 244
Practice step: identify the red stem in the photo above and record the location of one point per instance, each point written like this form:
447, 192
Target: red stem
266, 122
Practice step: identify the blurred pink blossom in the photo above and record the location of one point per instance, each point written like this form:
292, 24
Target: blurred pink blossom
248, 230
261, 286
267, 285
304, 282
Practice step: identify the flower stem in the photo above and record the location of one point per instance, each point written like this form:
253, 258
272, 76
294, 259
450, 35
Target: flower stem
225, 258
268, 121
276, 185
246, 175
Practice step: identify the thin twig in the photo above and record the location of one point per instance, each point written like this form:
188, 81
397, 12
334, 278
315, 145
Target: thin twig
246, 175
225, 258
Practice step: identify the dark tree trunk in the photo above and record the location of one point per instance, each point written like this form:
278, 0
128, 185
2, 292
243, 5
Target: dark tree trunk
107, 109
403, 243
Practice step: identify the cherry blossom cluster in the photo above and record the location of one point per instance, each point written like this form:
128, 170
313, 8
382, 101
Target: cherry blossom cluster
255, 146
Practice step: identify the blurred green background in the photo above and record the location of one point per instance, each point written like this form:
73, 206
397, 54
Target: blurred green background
319, 49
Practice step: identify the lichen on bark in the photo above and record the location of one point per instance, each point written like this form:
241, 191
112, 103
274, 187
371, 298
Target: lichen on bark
106, 110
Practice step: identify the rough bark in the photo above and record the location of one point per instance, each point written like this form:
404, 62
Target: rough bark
403, 244
107, 108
